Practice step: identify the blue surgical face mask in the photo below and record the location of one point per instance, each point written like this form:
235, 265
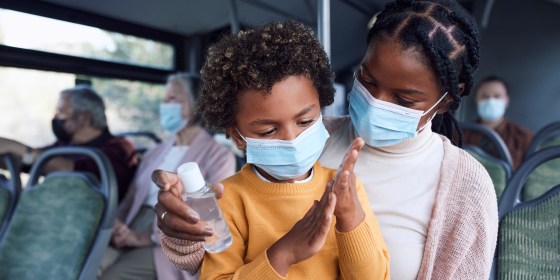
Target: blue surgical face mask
283, 159
491, 109
171, 117
382, 123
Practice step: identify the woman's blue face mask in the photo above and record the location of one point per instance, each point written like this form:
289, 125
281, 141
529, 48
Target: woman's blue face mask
171, 117
283, 159
382, 123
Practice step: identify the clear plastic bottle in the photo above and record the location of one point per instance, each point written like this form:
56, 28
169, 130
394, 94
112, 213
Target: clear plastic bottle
200, 197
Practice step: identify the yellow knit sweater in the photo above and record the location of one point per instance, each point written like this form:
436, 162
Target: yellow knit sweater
259, 213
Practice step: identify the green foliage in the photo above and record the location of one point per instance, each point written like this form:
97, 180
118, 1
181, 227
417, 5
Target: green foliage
139, 51
135, 103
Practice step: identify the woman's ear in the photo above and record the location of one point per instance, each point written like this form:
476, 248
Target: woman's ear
448, 99
445, 104
236, 138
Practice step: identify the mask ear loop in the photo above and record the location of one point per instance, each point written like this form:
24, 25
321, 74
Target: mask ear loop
434, 115
242, 137
433, 106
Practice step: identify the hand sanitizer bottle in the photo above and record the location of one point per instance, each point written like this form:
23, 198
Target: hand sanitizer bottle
200, 197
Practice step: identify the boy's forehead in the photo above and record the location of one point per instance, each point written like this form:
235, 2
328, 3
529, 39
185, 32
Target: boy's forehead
287, 97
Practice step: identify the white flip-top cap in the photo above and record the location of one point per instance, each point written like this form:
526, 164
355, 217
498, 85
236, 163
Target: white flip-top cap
191, 177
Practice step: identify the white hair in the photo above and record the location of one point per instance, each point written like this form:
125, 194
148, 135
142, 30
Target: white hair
85, 100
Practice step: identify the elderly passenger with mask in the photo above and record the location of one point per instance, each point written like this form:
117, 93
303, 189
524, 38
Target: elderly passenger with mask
492, 100
80, 121
135, 251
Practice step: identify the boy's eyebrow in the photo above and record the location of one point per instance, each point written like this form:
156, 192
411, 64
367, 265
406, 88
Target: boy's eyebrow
305, 110
401, 90
262, 122
265, 121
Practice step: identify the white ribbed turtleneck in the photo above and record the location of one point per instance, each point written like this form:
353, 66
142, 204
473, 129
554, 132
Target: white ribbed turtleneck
394, 177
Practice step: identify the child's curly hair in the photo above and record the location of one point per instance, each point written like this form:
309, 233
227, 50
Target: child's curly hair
257, 59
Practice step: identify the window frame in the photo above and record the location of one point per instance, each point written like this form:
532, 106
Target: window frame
41, 60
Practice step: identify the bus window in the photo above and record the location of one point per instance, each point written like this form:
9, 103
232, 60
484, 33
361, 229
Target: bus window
20, 30
29, 99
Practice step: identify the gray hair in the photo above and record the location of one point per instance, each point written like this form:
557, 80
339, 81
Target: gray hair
185, 81
85, 100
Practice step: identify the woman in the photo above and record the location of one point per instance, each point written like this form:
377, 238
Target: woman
435, 204
135, 253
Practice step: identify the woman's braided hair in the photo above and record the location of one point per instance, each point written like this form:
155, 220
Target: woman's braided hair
446, 34
257, 59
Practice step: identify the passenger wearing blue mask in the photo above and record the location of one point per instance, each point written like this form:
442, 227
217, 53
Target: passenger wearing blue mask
135, 252
492, 101
435, 204
178, 105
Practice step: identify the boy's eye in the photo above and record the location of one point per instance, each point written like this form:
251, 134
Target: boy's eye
267, 133
305, 123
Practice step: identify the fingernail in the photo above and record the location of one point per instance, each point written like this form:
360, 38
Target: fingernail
208, 231
193, 215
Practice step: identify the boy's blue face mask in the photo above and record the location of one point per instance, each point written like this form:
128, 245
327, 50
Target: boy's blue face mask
283, 159
382, 123
171, 117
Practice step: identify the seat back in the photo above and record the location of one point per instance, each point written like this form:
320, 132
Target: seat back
526, 176
543, 177
529, 239
498, 169
143, 140
511, 197
548, 136
493, 138
62, 225
9, 191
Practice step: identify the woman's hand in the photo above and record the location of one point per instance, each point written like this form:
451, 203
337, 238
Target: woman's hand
175, 218
348, 210
124, 237
306, 238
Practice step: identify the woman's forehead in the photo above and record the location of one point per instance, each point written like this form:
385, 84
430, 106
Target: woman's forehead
396, 67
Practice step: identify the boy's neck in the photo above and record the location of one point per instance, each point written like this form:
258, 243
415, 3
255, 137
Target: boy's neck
274, 180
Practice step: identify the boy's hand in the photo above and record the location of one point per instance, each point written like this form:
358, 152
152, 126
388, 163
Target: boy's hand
348, 210
306, 238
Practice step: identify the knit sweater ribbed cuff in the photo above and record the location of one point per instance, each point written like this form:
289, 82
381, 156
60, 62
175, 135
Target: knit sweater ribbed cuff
361, 241
186, 255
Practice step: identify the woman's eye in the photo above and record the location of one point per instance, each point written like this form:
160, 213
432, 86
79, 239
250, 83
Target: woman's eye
404, 101
368, 83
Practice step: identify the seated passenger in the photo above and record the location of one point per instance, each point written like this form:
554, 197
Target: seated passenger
492, 100
136, 253
80, 121
280, 206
